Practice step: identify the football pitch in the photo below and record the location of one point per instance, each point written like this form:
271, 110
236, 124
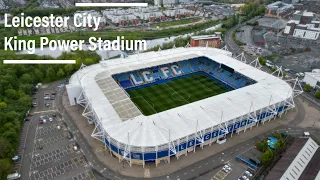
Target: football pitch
178, 92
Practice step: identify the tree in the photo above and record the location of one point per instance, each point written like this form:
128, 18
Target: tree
308, 87
279, 146
50, 74
3, 106
12, 94
5, 168
25, 100
262, 61
262, 146
267, 157
27, 78
60, 73
68, 68
5, 148
317, 94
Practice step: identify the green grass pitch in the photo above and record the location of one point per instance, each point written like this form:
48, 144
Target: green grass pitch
178, 92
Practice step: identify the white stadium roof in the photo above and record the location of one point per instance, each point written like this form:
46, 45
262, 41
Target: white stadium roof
153, 130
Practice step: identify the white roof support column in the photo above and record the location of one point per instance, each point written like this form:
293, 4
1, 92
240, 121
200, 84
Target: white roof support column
98, 134
127, 152
241, 57
272, 108
225, 48
87, 113
252, 115
278, 72
171, 145
198, 134
296, 86
81, 100
255, 63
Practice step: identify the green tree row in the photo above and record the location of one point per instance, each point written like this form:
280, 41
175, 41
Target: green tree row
16, 84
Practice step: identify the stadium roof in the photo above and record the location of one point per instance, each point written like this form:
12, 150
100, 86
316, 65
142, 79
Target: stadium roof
181, 121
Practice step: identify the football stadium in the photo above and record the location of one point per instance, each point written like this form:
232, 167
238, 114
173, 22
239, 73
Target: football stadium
153, 106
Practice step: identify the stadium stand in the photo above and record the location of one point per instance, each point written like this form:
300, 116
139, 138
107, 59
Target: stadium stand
220, 73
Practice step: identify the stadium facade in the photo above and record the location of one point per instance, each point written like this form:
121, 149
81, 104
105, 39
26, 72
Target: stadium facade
256, 97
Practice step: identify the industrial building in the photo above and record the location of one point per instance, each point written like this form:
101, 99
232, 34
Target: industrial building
303, 26
300, 161
279, 9
213, 41
312, 78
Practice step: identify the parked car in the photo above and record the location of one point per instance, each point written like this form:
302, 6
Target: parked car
34, 104
27, 119
52, 97
54, 115
16, 158
29, 114
53, 93
14, 176
248, 174
47, 104
40, 121
69, 135
46, 98
50, 119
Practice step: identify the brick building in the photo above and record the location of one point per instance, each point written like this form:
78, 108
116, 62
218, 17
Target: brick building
201, 41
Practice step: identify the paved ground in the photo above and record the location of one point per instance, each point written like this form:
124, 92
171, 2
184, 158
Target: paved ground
245, 35
47, 151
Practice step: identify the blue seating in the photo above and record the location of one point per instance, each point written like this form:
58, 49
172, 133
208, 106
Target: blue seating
126, 84
200, 64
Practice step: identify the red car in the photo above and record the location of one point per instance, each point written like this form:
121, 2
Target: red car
29, 114
40, 122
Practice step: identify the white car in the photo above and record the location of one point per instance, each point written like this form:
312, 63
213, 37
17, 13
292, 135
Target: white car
227, 167
44, 121
16, 158
225, 170
248, 174
245, 177
50, 119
